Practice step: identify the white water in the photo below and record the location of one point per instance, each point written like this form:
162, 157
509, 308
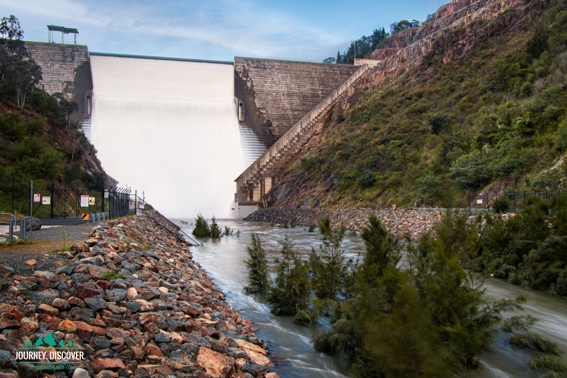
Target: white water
169, 129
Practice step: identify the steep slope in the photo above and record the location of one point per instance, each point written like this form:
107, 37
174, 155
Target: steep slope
472, 102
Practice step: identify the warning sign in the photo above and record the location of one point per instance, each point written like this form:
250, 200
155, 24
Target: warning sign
85, 200
85, 216
37, 197
46, 200
91, 201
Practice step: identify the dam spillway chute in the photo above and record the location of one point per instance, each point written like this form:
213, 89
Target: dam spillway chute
168, 128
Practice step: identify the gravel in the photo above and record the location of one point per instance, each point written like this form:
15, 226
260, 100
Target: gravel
56, 233
17, 259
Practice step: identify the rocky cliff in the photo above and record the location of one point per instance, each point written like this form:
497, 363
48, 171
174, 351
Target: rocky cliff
468, 20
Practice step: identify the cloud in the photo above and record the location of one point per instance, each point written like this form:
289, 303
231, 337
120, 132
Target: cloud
228, 27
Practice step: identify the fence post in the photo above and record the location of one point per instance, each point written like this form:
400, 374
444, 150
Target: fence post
23, 228
52, 199
11, 230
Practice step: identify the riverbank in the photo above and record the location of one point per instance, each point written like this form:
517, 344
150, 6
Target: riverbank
397, 221
131, 298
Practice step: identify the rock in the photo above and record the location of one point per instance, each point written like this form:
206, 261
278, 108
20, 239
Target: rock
88, 290
144, 305
29, 325
8, 373
60, 304
271, 375
99, 343
96, 303
67, 326
132, 293
33, 224
115, 295
107, 364
6, 271
31, 262
7, 361
47, 309
9, 324
80, 373
216, 364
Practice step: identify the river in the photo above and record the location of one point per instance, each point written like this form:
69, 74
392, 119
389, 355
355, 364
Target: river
224, 262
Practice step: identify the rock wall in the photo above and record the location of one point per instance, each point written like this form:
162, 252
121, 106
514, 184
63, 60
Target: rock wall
399, 222
276, 94
410, 45
66, 69
156, 314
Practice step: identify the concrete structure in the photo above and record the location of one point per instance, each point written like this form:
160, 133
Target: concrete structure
66, 69
273, 95
366, 62
262, 175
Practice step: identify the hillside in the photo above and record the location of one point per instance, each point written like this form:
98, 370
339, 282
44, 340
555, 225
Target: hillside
40, 137
472, 102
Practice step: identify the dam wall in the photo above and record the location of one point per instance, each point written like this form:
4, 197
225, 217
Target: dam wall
273, 95
65, 69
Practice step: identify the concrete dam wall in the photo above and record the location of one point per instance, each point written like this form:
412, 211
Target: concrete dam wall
66, 69
276, 94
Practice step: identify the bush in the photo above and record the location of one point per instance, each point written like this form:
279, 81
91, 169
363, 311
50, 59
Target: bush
501, 206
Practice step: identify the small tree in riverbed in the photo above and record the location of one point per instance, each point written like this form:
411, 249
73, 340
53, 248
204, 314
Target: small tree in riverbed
331, 271
216, 232
291, 291
258, 277
201, 229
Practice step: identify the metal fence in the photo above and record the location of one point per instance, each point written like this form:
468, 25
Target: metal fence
54, 200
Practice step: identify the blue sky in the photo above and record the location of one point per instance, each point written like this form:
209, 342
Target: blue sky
215, 29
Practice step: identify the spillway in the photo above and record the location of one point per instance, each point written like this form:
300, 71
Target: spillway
169, 129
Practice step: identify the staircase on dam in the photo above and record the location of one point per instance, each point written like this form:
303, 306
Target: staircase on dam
253, 184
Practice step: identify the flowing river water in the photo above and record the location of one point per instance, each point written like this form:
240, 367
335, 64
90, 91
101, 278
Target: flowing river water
224, 261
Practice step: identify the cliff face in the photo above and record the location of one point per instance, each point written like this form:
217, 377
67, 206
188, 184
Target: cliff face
470, 17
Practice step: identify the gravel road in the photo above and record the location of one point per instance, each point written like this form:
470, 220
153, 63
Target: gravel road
16, 256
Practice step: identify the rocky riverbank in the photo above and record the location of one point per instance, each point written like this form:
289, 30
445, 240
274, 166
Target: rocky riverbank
130, 302
399, 222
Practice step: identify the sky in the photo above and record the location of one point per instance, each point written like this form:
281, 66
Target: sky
305, 30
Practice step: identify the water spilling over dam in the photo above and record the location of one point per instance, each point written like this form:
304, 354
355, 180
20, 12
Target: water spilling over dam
169, 128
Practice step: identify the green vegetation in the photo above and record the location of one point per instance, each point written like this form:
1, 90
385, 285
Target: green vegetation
291, 291
493, 117
204, 230
329, 270
529, 249
425, 315
429, 320
201, 229
112, 275
258, 275
39, 139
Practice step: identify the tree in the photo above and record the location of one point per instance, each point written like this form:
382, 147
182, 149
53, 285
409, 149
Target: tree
331, 270
258, 277
201, 229
291, 290
19, 74
382, 250
329, 60
538, 42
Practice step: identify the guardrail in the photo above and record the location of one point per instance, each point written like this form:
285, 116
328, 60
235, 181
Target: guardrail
12, 223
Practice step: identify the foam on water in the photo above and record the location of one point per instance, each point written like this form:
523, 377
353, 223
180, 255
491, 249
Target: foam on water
169, 129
